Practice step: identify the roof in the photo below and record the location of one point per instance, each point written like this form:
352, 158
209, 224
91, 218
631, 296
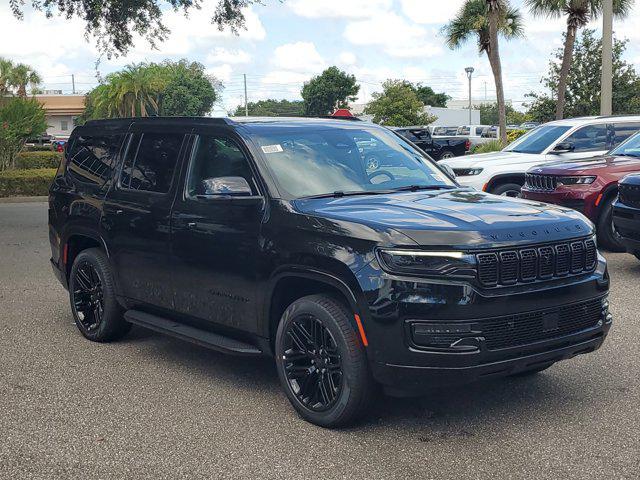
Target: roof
62, 104
571, 122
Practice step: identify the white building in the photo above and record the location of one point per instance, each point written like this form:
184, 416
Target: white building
61, 112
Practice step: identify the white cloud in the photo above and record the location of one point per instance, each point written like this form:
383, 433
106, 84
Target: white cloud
347, 58
286, 78
420, 11
339, 8
298, 57
395, 35
221, 72
223, 55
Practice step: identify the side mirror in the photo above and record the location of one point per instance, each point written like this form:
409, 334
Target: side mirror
448, 169
225, 186
563, 147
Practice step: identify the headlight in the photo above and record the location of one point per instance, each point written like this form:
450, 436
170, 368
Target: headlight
467, 172
579, 180
421, 262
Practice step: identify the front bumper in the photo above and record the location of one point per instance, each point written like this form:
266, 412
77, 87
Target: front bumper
627, 222
486, 333
581, 199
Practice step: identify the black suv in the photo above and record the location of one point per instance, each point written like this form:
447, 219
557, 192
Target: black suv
271, 236
626, 213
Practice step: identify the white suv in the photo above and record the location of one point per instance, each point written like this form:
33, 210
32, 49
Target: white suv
502, 173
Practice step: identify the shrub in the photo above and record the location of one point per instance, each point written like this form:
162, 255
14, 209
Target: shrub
26, 182
38, 148
491, 146
31, 160
515, 134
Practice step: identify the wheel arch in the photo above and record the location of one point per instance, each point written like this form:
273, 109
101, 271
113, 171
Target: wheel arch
503, 178
75, 241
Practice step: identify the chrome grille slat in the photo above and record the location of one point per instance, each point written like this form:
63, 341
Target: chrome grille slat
540, 182
511, 266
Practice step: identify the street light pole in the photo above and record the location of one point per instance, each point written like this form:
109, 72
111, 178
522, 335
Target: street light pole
606, 93
469, 71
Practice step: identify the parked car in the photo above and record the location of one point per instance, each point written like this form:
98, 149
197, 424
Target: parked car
474, 134
502, 173
444, 131
529, 125
269, 237
588, 185
626, 213
437, 148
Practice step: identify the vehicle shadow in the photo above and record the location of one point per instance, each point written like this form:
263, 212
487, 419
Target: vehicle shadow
438, 415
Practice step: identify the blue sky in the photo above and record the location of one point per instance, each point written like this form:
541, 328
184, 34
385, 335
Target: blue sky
287, 42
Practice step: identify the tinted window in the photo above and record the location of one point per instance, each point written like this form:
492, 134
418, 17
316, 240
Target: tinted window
630, 148
589, 138
538, 140
622, 131
215, 157
151, 161
464, 131
92, 158
479, 131
308, 161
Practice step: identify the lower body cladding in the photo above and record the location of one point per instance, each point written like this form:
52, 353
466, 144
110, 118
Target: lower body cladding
423, 334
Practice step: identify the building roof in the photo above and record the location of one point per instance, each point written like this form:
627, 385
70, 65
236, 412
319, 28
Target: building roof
62, 104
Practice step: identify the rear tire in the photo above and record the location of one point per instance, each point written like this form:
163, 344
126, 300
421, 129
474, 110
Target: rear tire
507, 190
607, 235
95, 309
447, 154
322, 363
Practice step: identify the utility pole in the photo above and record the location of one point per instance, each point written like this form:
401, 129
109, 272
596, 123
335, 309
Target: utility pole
469, 71
73, 84
606, 93
246, 104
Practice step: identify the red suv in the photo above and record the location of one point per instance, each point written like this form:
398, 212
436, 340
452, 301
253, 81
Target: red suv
588, 185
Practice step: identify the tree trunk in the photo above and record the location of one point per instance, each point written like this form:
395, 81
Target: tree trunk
22, 91
493, 53
567, 58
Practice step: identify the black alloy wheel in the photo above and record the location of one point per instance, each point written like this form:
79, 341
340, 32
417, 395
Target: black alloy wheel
312, 363
88, 296
96, 311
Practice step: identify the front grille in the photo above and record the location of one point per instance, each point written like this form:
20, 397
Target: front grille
530, 327
541, 183
630, 195
521, 265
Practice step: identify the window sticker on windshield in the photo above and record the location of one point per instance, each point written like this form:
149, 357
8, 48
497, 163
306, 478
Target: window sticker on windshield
272, 148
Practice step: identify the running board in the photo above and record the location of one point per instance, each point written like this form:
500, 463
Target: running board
200, 337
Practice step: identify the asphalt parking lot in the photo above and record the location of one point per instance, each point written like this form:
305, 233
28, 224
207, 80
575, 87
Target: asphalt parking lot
154, 407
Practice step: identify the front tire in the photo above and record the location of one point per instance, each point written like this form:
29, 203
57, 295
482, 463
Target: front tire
95, 309
507, 190
321, 362
447, 154
607, 235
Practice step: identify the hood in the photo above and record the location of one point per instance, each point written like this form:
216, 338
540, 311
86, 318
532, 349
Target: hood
454, 218
592, 165
494, 158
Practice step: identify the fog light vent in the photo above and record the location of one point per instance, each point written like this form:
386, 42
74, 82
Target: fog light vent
443, 335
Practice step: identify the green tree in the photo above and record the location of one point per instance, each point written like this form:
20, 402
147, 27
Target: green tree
22, 76
583, 82
272, 108
485, 20
332, 89
20, 120
114, 23
427, 96
6, 69
578, 13
170, 88
189, 90
489, 114
398, 105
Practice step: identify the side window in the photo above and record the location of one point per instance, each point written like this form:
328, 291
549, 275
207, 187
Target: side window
589, 138
622, 131
421, 134
479, 131
92, 158
151, 162
215, 157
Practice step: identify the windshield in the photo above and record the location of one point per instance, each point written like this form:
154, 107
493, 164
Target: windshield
315, 160
630, 148
538, 139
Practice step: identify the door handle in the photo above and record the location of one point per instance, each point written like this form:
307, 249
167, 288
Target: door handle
192, 225
119, 212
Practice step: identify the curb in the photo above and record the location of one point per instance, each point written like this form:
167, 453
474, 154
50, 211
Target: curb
23, 199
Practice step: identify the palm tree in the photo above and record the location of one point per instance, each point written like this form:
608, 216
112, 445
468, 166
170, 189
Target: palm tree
578, 13
22, 76
6, 67
486, 19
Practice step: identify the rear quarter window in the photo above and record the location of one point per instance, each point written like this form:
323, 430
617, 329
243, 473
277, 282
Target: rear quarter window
93, 158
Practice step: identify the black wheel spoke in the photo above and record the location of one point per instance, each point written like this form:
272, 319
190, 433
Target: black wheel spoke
312, 363
88, 300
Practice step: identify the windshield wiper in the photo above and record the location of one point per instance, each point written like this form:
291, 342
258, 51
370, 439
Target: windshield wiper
415, 188
340, 193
